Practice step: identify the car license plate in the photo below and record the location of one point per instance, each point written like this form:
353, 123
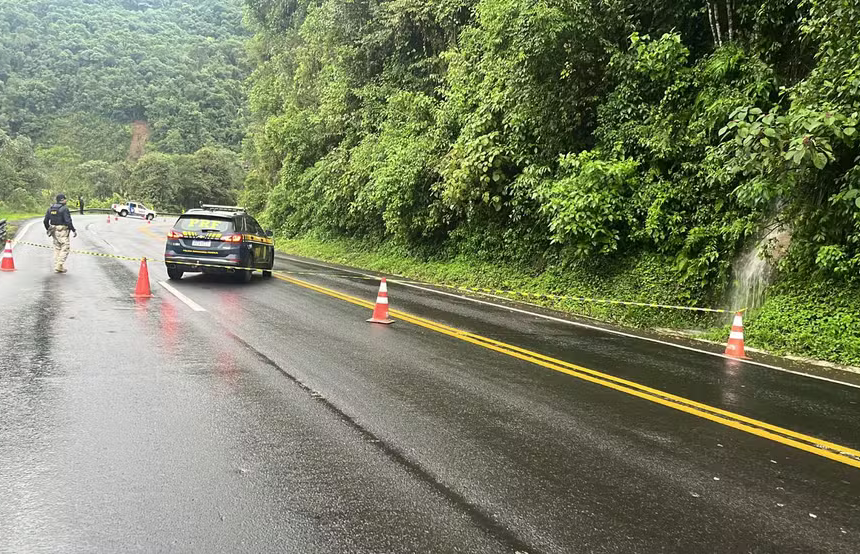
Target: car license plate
204, 243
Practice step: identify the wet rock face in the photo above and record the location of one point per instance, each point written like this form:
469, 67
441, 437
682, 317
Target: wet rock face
778, 244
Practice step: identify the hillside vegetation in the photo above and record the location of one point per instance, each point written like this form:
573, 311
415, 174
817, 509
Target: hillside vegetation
572, 137
75, 75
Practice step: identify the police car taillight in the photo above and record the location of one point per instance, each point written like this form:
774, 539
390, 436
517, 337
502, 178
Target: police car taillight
174, 234
237, 237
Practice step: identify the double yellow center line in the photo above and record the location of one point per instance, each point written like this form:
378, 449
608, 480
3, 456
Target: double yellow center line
762, 429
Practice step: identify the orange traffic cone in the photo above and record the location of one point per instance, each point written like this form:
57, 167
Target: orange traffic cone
8, 264
142, 290
108, 219
380, 311
735, 348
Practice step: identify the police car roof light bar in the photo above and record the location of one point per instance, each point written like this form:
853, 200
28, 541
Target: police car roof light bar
223, 208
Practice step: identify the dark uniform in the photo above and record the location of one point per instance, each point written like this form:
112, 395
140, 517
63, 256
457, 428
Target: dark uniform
58, 224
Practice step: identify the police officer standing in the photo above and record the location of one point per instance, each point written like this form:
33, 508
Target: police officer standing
58, 224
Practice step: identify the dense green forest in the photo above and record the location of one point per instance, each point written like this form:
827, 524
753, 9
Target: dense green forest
580, 128
596, 137
76, 74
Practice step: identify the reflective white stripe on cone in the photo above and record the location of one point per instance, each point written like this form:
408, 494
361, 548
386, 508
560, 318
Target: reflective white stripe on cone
8, 263
380, 311
735, 347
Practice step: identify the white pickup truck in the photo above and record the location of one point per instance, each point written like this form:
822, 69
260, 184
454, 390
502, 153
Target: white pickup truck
133, 209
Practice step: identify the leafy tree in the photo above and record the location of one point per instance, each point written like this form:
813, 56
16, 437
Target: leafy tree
208, 175
155, 179
21, 177
799, 153
102, 179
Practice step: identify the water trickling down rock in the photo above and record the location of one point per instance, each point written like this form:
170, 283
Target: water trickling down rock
754, 270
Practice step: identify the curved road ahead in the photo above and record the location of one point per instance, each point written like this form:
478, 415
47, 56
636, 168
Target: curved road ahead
270, 417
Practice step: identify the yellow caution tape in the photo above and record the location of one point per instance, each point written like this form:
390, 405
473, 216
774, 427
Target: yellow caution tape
87, 252
538, 296
484, 291
163, 260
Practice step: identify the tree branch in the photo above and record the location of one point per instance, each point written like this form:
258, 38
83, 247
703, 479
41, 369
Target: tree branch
711, 21
730, 5
717, 23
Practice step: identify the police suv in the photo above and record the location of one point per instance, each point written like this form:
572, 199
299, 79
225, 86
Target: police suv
218, 239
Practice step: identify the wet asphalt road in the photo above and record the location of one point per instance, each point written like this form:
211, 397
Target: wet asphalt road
279, 420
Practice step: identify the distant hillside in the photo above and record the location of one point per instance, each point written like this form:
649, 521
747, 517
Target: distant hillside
179, 65
118, 97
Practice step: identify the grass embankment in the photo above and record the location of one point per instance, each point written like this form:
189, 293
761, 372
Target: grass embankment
18, 216
12, 220
813, 320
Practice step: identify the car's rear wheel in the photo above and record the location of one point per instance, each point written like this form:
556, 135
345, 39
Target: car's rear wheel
150, 217
124, 213
267, 273
174, 273
244, 275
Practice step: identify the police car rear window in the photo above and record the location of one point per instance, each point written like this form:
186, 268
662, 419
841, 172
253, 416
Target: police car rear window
203, 223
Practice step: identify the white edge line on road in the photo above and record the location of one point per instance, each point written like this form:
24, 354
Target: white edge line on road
23, 231
583, 325
185, 300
